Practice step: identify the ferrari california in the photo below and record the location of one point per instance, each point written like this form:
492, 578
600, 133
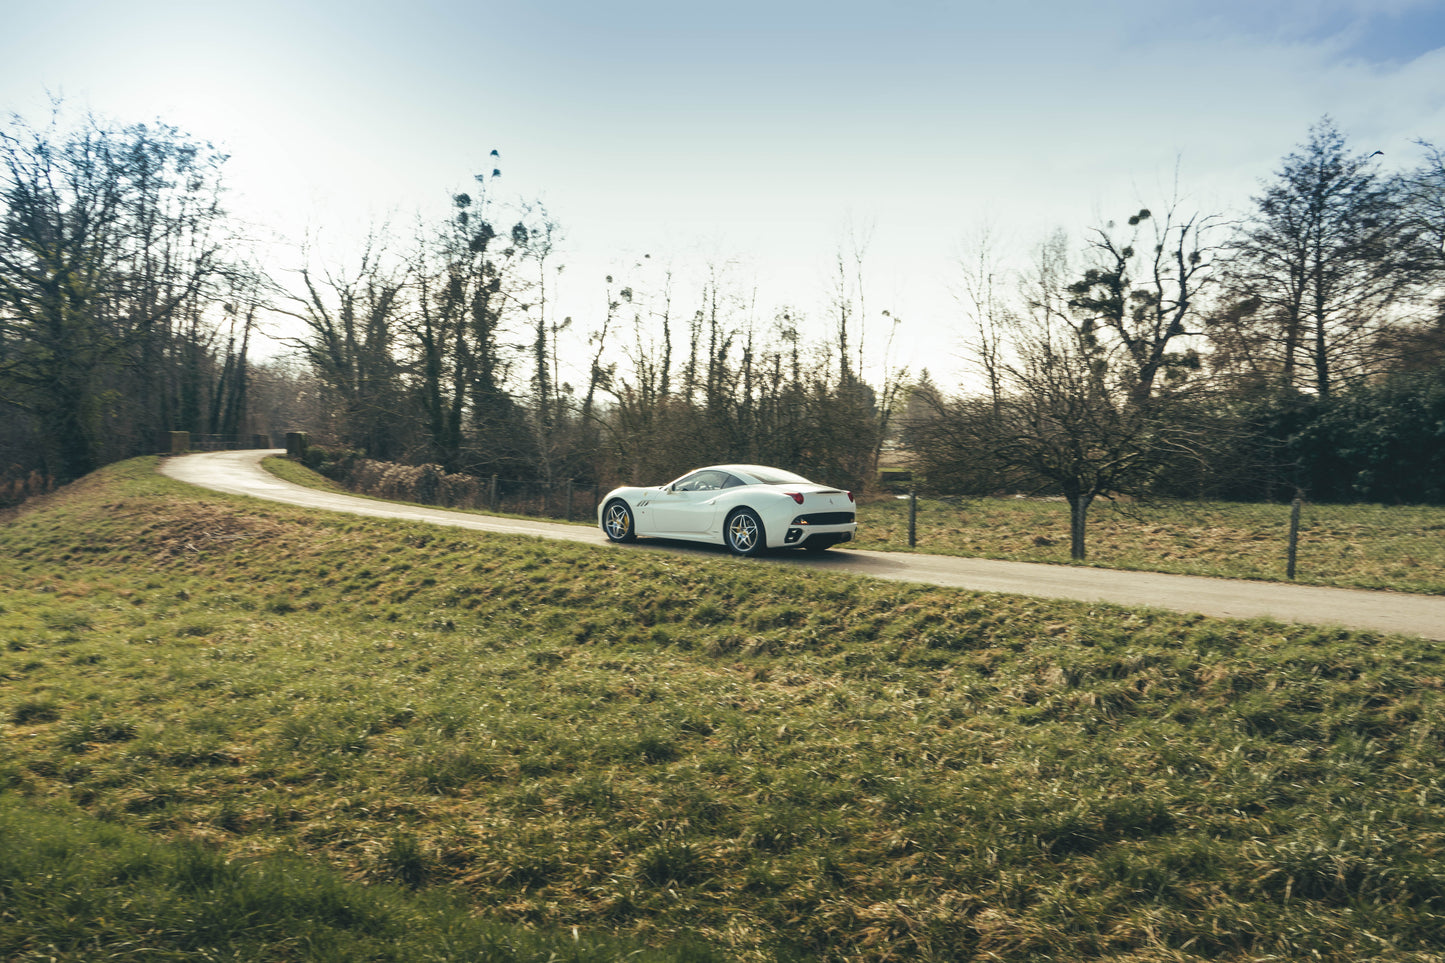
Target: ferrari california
748, 508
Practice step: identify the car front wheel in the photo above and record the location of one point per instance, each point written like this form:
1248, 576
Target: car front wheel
617, 522
745, 533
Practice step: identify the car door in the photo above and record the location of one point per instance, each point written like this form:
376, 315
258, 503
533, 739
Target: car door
688, 506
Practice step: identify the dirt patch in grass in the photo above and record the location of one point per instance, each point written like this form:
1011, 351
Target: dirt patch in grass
194, 530
161, 527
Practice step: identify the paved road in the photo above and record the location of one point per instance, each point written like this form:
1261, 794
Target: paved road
240, 472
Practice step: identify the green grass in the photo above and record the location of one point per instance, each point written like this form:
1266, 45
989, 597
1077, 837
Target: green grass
81, 888
1349, 546
290, 470
779, 763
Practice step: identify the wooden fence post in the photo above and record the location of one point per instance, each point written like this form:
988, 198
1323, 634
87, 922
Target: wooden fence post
912, 518
1294, 510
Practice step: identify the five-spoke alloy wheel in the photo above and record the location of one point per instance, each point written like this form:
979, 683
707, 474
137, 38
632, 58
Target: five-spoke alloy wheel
745, 532
617, 522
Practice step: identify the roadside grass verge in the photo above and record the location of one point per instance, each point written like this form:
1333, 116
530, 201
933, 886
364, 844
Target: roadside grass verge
777, 762
288, 469
1399, 548
1348, 546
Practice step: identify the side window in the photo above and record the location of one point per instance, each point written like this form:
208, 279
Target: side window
709, 481
696, 482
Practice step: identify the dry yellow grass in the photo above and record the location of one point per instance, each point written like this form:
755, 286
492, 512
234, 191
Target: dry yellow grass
1353, 546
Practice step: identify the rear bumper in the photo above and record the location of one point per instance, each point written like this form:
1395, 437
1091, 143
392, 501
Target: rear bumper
813, 536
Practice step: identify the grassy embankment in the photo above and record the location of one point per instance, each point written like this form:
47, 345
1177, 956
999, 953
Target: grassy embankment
238, 730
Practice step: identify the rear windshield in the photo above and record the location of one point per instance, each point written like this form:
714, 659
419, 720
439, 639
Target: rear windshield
774, 476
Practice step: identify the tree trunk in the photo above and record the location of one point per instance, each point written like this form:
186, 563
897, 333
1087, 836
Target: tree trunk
69, 450
1078, 524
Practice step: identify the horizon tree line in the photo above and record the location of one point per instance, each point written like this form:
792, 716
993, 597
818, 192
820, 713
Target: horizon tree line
1171, 353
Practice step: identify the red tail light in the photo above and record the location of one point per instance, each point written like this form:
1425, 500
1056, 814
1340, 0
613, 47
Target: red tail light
850, 496
796, 496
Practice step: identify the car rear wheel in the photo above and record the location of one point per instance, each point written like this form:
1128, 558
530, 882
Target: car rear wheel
745, 532
617, 522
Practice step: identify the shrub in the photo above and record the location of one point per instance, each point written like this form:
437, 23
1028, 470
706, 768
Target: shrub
426, 484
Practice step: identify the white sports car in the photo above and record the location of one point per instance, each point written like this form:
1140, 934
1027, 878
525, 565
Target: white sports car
748, 508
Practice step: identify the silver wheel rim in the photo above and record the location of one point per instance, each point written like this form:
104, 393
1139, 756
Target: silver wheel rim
617, 521
743, 532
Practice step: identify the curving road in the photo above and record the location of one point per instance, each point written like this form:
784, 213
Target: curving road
240, 473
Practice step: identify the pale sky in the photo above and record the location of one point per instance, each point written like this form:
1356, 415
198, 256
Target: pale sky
748, 133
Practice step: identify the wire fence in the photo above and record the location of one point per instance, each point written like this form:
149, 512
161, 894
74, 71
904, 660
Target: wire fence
180, 442
568, 500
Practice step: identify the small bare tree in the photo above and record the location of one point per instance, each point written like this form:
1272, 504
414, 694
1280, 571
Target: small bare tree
1074, 404
1144, 291
352, 323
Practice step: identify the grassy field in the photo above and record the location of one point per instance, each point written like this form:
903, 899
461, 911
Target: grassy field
235, 730
1349, 546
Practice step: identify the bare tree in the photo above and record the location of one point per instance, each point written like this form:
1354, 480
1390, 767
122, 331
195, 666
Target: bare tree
599, 374
1422, 345
1064, 411
1146, 292
353, 323
111, 271
985, 312
643, 391
850, 305
540, 243
471, 288
1316, 273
